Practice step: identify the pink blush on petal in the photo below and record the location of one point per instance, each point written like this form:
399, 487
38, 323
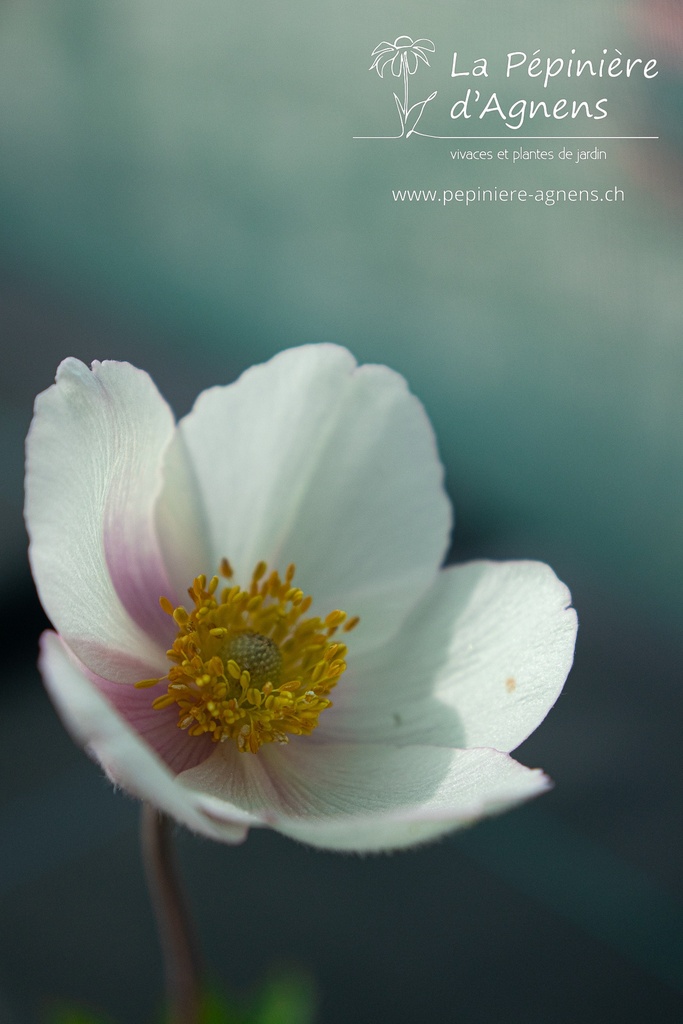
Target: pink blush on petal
159, 729
139, 577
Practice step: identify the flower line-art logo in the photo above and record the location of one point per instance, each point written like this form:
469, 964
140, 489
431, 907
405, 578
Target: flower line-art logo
403, 56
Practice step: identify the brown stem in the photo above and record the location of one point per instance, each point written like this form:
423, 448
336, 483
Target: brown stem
181, 958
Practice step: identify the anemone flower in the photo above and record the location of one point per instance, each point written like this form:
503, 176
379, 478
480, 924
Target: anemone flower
364, 700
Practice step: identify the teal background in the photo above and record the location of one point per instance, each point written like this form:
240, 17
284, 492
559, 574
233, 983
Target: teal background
192, 167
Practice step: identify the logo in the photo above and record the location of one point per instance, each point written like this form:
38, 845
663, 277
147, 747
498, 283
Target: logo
403, 58
485, 93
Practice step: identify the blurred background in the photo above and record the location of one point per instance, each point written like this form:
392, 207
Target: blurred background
180, 187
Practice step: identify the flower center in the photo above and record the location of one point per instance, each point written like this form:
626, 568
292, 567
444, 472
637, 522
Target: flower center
257, 654
249, 665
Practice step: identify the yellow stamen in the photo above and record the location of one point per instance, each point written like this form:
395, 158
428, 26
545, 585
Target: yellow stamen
246, 664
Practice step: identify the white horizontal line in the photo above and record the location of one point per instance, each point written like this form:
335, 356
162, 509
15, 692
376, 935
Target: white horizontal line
547, 138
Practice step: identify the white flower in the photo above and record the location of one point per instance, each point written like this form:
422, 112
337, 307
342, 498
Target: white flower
307, 459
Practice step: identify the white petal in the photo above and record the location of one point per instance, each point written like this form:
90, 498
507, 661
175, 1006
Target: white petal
366, 798
127, 760
479, 663
94, 458
312, 460
182, 521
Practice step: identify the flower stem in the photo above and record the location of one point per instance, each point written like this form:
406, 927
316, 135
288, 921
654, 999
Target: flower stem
405, 86
181, 959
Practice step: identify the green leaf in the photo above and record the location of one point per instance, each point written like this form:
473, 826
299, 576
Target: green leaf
216, 1009
73, 1015
287, 998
